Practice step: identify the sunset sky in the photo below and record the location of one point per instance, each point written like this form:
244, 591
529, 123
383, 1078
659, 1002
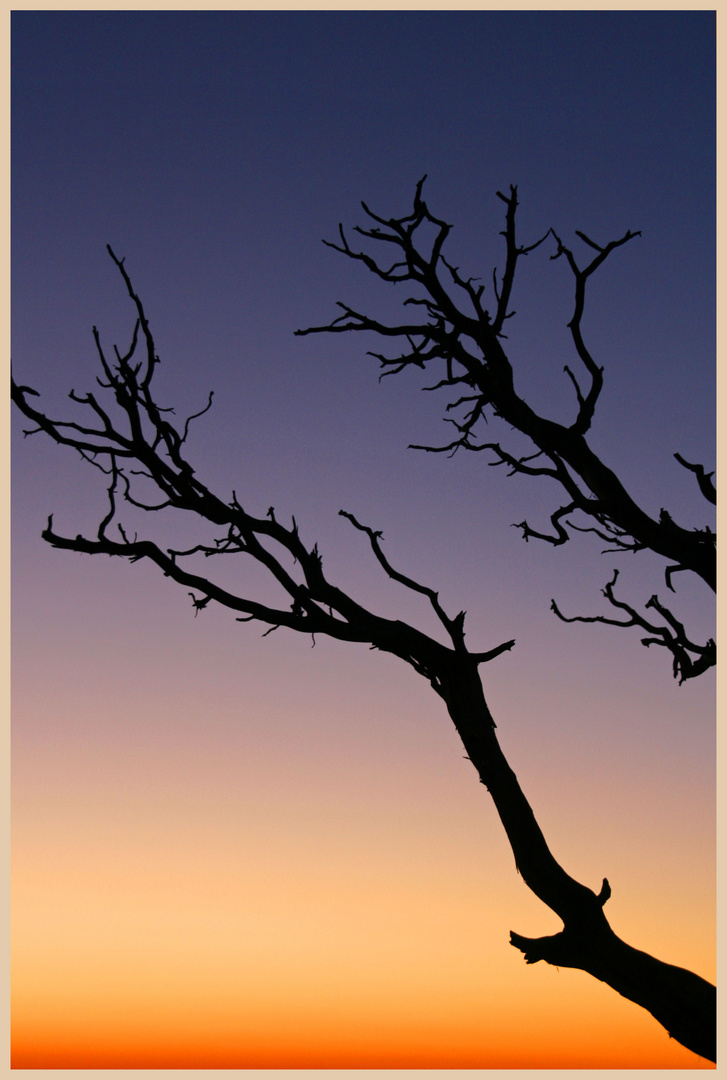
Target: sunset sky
244, 852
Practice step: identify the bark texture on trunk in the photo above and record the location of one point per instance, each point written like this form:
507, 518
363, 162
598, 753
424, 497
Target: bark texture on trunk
682, 1002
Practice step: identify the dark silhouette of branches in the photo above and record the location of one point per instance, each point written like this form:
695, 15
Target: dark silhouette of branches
671, 634
452, 326
148, 440
131, 440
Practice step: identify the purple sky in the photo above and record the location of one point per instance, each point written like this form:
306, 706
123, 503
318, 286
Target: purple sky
214, 152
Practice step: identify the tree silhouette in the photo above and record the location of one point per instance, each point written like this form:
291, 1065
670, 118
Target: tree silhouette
129, 437
456, 329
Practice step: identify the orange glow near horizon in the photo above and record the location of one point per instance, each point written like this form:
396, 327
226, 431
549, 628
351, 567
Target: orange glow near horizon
184, 944
176, 1020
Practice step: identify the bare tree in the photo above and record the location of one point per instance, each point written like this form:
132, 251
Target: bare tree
455, 328
128, 436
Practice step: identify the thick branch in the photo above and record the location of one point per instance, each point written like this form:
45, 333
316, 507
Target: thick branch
684, 1003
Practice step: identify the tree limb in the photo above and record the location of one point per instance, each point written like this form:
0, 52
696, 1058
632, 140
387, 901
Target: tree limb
689, 660
459, 332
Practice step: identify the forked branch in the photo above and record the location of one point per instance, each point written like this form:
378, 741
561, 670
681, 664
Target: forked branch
689, 659
458, 331
143, 443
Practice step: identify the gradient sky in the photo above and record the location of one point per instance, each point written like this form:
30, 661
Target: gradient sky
244, 852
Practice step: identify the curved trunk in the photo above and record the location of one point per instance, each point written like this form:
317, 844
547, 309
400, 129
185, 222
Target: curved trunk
684, 1003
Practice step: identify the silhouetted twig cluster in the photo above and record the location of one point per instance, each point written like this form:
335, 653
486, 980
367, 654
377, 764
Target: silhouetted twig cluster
452, 325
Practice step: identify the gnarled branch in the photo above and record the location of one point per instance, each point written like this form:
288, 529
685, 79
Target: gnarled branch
458, 331
689, 659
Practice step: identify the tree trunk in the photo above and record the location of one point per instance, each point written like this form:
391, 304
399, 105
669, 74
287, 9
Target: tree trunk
684, 1003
